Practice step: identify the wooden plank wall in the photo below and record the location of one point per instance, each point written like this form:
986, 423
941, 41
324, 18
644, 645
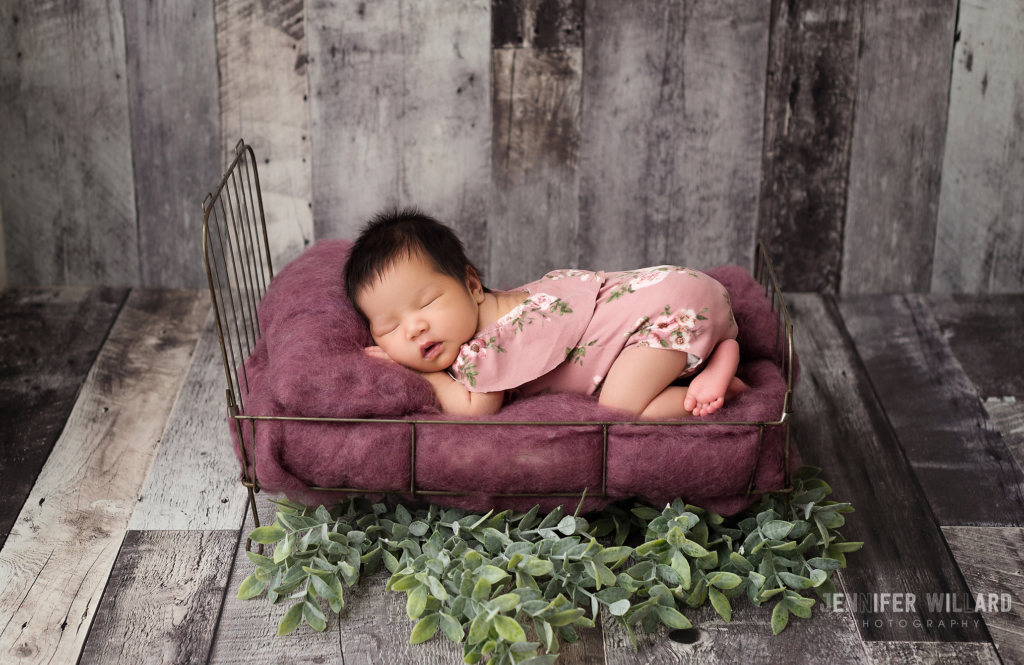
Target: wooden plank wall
874, 145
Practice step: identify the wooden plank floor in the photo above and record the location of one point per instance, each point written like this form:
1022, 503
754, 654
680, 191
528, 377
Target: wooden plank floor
126, 542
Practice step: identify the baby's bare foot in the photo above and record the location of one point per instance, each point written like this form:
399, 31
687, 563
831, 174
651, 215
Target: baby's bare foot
707, 393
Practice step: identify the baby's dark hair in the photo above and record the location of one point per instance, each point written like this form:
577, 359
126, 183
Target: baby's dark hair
393, 234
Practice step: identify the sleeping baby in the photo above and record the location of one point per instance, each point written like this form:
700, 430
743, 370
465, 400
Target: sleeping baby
628, 336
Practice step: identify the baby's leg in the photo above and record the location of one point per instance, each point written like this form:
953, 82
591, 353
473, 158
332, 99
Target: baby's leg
709, 389
638, 382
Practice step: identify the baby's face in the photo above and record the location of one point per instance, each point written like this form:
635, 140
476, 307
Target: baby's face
419, 316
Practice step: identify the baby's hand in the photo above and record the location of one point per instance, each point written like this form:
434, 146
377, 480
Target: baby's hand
377, 352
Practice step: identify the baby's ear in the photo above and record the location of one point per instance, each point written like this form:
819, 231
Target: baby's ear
473, 283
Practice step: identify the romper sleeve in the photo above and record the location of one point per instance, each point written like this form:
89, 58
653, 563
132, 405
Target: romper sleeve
533, 338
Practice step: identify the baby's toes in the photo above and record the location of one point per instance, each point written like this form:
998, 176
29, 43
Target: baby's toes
689, 402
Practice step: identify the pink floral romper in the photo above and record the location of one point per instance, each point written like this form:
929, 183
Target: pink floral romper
567, 334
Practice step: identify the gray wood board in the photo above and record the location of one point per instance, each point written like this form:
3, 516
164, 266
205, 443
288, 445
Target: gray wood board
209, 496
162, 598
49, 339
986, 334
991, 560
840, 425
536, 136
66, 165
960, 461
980, 229
400, 113
539, 24
175, 120
536, 87
928, 653
55, 563
261, 57
671, 132
896, 156
828, 636
808, 125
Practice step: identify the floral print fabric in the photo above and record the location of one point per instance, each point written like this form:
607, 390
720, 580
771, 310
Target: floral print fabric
575, 323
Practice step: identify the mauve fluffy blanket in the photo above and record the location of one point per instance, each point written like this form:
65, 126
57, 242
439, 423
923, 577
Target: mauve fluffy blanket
309, 362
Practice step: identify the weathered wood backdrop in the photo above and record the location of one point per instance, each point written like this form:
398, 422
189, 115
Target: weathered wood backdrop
876, 146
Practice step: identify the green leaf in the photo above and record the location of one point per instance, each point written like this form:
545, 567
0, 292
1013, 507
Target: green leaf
267, 535
619, 607
691, 548
478, 629
645, 512
850, 546
509, 629
546, 634
720, 603
313, 615
682, 568
725, 580
250, 588
564, 618
482, 590
795, 581
776, 529
780, 617
671, 617
425, 628
451, 628
740, 562
291, 619
505, 602
492, 574
806, 473
403, 516
417, 602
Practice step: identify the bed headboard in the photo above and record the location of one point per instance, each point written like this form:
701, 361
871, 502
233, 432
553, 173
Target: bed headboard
238, 266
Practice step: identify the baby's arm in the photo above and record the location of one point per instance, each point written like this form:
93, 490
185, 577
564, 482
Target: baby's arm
452, 396
456, 399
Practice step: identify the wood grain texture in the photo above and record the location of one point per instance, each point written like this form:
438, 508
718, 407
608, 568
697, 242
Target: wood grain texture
247, 630
927, 653
401, 113
536, 136
827, 636
979, 240
808, 125
536, 79
1007, 415
3, 254
48, 341
172, 88
539, 24
960, 461
896, 156
57, 558
262, 58
840, 425
986, 334
163, 598
209, 496
672, 126
992, 562
66, 164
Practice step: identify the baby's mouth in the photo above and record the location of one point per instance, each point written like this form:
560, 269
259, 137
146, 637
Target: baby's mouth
430, 351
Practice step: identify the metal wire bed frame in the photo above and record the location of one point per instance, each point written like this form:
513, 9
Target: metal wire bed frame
236, 251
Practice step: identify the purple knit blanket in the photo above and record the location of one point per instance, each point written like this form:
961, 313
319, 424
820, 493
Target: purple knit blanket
309, 362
